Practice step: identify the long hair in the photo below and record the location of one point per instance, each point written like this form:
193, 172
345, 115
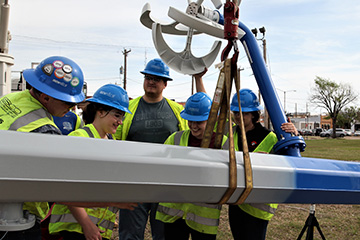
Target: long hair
256, 115
90, 110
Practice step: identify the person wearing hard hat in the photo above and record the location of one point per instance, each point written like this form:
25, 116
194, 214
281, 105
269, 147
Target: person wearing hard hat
249, 221
154, 118
102, 116
200, 220
56, 86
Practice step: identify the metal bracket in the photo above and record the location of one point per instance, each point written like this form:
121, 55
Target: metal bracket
184, 62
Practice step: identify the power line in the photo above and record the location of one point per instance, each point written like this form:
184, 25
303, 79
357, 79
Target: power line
37, 39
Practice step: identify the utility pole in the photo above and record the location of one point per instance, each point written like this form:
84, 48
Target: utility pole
255, 32
285, 91
125, 52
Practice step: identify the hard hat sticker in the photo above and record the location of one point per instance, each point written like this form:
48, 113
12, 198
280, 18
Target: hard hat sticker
67, 68
48, 69
109, 94
59, 82
75, 82
59, 73
58, 64
67, 77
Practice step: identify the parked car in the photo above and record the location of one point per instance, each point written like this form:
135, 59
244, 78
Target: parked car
357, 133
317, 131
306, 132
339, 133
348, 132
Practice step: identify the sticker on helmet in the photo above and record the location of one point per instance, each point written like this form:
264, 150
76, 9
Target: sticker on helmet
67, 77
48, 69
67, 68
75, 82
58, 64
59, 73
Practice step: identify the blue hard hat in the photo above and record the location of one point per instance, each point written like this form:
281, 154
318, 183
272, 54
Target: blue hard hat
158, 68
59, 77
197, 107
249, 101
111, 95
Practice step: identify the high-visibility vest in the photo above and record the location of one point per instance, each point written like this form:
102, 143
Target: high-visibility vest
201, 217
104, 218
263, 211
22, 112
88, 131
123, 130
62, 220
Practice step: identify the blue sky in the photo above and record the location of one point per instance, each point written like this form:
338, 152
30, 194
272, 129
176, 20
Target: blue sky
304, 38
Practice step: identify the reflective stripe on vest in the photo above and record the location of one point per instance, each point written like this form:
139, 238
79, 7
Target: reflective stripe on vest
263, 207
202, 217
22, 112
29, 118
226, 144
62, 220
261, 210
104, 218
190, 216
69, 218
91, 135
178, 135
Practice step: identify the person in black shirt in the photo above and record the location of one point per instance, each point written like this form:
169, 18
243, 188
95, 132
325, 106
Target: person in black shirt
249, 221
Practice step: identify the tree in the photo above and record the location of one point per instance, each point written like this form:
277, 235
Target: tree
348, 116
332, 96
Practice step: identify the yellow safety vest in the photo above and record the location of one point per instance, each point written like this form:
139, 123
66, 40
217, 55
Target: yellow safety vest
263, 211
88, 131
123, 129
22, 112
104, 218
62, 220
201, 217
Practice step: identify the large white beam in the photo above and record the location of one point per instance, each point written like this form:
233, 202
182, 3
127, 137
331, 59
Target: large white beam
40, 167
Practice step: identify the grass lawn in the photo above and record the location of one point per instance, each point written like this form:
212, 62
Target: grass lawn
336, 221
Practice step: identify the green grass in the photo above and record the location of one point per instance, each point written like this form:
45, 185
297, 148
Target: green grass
327, 148
336, 221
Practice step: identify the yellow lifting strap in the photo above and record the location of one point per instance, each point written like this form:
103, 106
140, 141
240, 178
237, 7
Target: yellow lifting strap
221, 102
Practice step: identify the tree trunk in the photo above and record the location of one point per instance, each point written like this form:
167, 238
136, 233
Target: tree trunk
334, 127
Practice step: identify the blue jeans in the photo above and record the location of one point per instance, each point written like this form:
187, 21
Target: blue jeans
132, 224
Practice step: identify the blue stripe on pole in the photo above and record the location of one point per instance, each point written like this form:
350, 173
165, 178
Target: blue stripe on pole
337, 181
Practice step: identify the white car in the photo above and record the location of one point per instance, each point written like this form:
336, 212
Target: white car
357, 133
348, 132
339, 133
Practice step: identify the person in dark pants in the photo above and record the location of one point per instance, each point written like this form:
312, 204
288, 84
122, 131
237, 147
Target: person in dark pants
249, 221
